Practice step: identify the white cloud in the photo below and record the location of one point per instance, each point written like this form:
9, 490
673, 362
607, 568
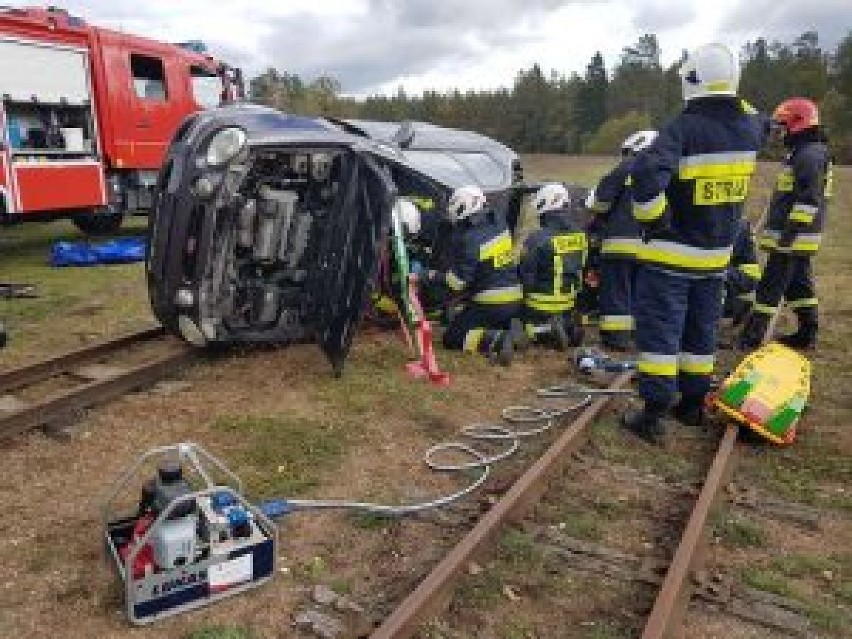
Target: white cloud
378, 45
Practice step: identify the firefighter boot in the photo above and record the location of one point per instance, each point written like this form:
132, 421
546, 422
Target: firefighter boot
647, 423
753, 331
805, 336
558, 333
690, 410
498, 346
520, 339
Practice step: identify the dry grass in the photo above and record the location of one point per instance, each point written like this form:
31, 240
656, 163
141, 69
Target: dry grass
362, 436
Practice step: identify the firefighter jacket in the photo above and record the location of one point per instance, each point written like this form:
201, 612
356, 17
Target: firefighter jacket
798, 205
743, 272
552, 262
614, 223
690, 184
483, 263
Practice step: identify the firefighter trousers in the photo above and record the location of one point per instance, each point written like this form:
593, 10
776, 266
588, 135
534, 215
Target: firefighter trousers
677, 319
788, 277
477, 327
616, 299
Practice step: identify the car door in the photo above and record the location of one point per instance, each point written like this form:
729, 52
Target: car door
348, 254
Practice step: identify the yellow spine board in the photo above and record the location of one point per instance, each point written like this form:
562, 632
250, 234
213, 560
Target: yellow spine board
778, 376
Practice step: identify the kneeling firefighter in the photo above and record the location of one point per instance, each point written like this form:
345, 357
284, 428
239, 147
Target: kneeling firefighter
484, 270
619, 233
688, 190
793, 231
551, 270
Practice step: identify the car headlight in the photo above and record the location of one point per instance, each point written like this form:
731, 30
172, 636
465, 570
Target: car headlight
225, 146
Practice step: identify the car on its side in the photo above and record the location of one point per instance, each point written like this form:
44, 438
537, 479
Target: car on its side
269, 227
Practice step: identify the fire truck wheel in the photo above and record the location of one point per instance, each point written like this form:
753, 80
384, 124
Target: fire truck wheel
98, 223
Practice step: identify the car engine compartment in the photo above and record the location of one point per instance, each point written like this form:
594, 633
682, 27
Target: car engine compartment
256, 282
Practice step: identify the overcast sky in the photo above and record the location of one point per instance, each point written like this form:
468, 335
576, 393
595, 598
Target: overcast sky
374, 46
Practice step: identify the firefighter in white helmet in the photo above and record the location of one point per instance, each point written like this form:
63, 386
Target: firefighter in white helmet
619, 235
551, 270
483, 274
689, 186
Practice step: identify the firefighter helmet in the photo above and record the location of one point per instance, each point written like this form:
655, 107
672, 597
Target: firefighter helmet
796, 114
640, 140
550, 197
712, 69
409, 215
464, 202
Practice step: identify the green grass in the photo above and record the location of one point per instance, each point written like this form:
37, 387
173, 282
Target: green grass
579, 523
480, 590
824, 616
610, 509
519, 548
797, 474
800, 565
605, 630
375, 383
221, 632
372, 521
617, 448
284, 455
770, 581
92, 300
739, 532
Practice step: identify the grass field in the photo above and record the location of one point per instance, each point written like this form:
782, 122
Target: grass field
287, 427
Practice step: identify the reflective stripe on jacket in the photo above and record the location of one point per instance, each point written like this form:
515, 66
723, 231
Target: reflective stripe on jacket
690, 184
551, 268
798, 205
483, 264
619, 230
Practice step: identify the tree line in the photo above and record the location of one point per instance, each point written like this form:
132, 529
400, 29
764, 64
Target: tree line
591, 113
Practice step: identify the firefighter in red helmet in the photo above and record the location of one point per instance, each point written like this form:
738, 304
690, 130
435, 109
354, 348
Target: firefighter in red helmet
793, 230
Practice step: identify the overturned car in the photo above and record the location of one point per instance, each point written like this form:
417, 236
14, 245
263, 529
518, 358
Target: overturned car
270, 227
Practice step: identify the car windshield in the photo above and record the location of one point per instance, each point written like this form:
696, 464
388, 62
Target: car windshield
457, 168
206, 88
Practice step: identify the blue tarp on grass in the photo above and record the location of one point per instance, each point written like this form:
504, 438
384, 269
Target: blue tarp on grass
121, 251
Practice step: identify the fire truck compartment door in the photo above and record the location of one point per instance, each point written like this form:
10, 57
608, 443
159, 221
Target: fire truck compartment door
70, 184
48, 73
6, 203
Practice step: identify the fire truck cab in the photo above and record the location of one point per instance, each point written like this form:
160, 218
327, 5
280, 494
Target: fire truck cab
86, 115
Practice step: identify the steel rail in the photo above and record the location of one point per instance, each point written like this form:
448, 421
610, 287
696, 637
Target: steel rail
16, 378
92, 391
666, 616
433, 592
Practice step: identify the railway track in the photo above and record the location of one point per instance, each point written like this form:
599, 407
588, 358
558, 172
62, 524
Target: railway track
428, 600
54, 389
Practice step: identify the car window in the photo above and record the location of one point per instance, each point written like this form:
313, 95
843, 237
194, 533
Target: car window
488, 171
206, 87
149, 77
458, 169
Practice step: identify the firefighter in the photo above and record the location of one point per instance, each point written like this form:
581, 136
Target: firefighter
551, 270
688, 193
792, 235
742, 275
619, 234
484, 269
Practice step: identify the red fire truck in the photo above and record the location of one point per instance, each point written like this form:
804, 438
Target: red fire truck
86, 115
